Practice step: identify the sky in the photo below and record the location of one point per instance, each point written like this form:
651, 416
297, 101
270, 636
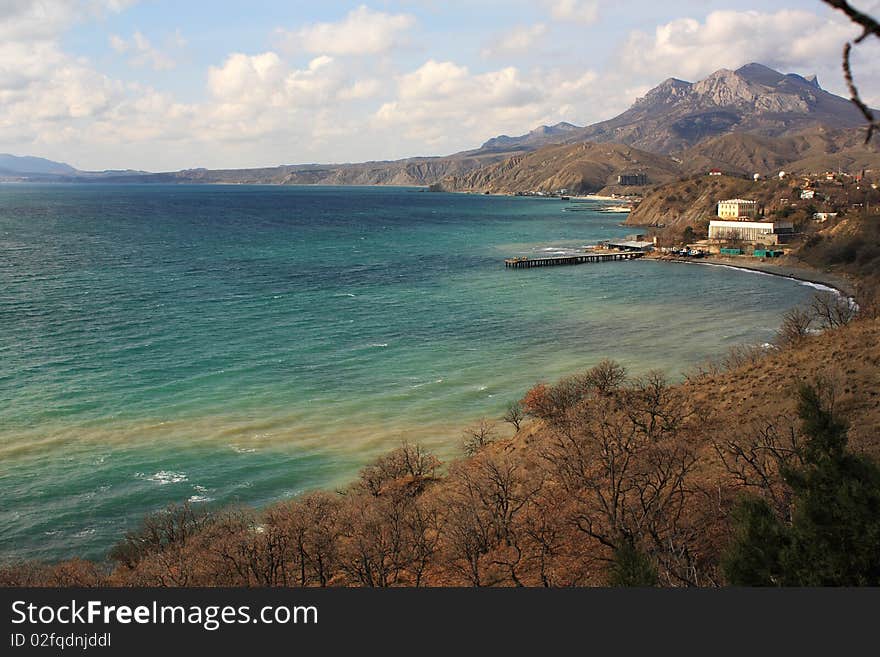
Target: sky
163, 85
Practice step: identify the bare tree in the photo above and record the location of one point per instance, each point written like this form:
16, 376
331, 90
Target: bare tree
833, 310
410, 462
624, 463
157, 552
313, 527
606, 377
796, 324
514, 415
478, 435
755, 456
489, 496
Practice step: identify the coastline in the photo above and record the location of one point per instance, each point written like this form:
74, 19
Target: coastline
800, 273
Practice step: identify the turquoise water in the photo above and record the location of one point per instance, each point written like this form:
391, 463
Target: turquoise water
232, 343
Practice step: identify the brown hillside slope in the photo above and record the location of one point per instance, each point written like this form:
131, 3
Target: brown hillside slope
813, 151
694, 201
579, 168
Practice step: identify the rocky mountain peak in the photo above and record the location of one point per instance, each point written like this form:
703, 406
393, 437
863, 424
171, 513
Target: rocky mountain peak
813, 80
666, 93
725, 87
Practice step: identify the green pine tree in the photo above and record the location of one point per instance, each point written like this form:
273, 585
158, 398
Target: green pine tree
631, 568
833, 538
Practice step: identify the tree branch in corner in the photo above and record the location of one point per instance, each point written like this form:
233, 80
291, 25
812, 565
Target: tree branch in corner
869, 27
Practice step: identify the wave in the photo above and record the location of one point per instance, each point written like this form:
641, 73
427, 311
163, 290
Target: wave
164, 477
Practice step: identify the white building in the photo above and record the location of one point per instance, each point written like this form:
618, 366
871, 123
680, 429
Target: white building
766, 232
737, 208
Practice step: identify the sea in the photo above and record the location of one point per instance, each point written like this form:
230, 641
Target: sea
244, 344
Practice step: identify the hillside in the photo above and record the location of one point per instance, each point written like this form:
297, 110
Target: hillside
694, 200
815, 150
578, 168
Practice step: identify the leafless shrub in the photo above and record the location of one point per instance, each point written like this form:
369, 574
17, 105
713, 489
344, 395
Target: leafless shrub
514, 415
552, 402
606, 377
743, 355
412, 462
833, 310
162, 538
796, 324
755, 455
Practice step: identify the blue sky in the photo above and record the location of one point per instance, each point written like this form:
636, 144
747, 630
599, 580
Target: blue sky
161, 85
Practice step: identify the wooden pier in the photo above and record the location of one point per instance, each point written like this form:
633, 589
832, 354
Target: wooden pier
528, 263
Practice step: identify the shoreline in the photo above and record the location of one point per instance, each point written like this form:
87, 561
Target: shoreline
800, 273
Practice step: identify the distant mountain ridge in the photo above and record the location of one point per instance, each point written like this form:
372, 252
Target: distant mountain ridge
13, 164
541, 136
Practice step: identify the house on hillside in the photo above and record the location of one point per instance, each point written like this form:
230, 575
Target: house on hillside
765, 232
632, 179
738, 221
737, 208
715, 172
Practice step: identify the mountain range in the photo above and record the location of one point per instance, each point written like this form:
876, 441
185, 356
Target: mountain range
753, 119
676, 114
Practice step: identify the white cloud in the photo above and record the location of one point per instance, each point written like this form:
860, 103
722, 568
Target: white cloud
444, 104
271, 107
360, 90
261, 96
29, 19
362, 32
518, 40
584, 12
727, 39
143, 53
